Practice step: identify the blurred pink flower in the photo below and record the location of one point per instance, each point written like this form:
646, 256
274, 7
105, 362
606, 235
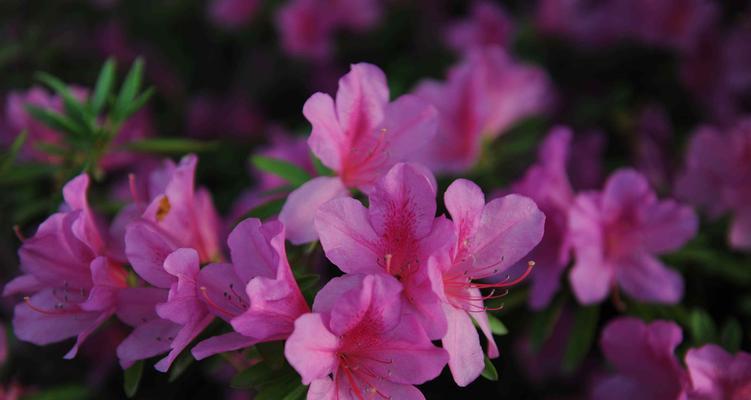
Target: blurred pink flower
212, 117
358, 343
654, 145
717, 176
483, 96
487, 25
72, 270
360, 136
716, 374
232, 14
489, 238
644, 360
616, 235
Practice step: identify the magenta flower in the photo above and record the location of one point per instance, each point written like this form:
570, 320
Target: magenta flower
74, 274
257, 293
395, 236
177, 216
360, 137
487, 25
548, 185
643, 357
717, 375
358, 344
489, 239
232, 14
482, 97
718, 177
616, 235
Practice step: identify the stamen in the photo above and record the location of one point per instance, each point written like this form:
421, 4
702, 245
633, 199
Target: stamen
60, 310
216, 306
132, 186
18, 233
506, 282
388, 258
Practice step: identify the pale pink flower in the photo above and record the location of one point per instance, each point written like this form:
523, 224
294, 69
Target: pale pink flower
717, 375
488, 24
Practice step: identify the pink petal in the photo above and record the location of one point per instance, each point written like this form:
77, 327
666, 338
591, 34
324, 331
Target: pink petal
220, 344
327, 140
462, 343
361, 100
147, 340
376, 298
298, 213
645, 278
250, 250
146, 247
591, 276
347, 237
49, 324
184, 336
136, 306
668, 226
221, 290
311, 348
740, 230
23, 284
624, 188
464, 201
482, 321
274, 306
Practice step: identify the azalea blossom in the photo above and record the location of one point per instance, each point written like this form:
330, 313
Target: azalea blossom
489, 238
643, 356
360, 136
481, 98
717, 177
232, 14
616, 236
73, 272
256, 293
358, 344
488, 24
716, 374
394, 236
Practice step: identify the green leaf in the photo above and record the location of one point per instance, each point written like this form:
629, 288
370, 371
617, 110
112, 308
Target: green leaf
128, 90
103, 88
10, 156
265, 210
170, 146
137, 103
702, 327
252, 377
543, 324
582, 337
283, 384
181, 364
731, 336
298, 393
73, 108
54, 120
321, 169
51, 148
272, 353
67, 392
283, 169
496, 326
489, 372
132, 378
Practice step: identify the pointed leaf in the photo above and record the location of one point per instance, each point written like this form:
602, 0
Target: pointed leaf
103, 88
321, 169
580, 342
489, 373
181, 364
731, 336
55, 120
283, 169
132, 378
702, 327
128, 90
496, 326
73, 108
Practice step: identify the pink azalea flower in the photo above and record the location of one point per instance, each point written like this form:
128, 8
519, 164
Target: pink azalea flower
74, 274
548, 185
307, 27
643, 357
489, 239
177, 216
488, 24
358, 344
717, 177
360, 136
482, 97
232, 14
717, 375
395, 236
654, 147
257, 293
617, 234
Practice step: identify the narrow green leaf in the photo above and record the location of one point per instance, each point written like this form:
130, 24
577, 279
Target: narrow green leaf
265, 210
181, 364
279, 387
176, 146
489, 373
496, 326
137, 103
580, 341
321, 169
543, 324
731, 336
51, 148
702, 327
10, 157
132, 378
128, 90
298, 393
103, 88
67, 392
252, 377
74, 108
54, 120
283, 169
